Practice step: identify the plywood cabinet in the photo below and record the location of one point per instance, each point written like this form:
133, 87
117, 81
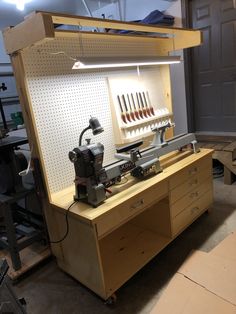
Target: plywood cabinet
125, 232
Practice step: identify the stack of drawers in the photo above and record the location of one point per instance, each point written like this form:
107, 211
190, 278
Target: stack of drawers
191, 193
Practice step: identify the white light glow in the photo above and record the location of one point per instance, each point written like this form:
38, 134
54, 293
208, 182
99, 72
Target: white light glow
20, 4
97, 64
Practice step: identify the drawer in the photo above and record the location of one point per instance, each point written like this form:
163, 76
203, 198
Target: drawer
189, 185
190, 171
187, 216
131, 207
190, 197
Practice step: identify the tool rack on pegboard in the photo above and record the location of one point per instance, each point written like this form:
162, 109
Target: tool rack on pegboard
138, 106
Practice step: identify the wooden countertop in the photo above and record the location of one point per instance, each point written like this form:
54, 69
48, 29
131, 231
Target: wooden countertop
62, 199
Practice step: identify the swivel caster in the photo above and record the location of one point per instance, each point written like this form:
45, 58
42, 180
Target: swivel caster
111, 300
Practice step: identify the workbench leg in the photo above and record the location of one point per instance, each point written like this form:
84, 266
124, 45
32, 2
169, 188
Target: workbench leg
11, 236
228, 176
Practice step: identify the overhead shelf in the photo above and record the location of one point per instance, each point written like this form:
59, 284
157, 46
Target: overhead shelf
40, 26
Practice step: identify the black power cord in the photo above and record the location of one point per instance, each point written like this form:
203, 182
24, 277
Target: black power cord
67, 225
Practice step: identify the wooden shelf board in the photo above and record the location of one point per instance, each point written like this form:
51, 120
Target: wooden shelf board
127, 250
40, 25
146, 120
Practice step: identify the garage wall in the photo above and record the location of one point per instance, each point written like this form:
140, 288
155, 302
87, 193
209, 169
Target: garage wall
3, 56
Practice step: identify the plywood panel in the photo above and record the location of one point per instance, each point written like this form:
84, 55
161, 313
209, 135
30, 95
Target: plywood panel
126, 250
79, 253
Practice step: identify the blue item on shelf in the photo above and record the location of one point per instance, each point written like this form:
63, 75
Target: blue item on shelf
154, 18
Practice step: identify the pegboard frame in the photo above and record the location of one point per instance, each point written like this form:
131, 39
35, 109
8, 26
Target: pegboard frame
38, 29
58, 94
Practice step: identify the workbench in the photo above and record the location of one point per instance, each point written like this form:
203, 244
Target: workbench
106, 245
109, 244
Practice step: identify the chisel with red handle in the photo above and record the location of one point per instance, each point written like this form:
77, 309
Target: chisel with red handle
131, 110
142, 105
140, 111
150, 105
121, 109
134, 106
126, 109
145, 105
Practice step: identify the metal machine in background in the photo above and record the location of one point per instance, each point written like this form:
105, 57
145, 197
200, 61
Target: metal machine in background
9, 303
18, 219
92, 179
4, 130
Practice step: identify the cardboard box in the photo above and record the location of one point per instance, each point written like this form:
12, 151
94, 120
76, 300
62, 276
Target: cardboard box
226, 248
205, 283
183, 296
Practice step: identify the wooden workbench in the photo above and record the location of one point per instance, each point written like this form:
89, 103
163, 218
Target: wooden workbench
109, 244
106, 245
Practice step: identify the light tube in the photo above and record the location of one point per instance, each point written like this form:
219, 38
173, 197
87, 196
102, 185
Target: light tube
112, 62
20, 4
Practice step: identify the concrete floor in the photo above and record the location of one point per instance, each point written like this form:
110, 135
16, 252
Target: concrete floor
48, 290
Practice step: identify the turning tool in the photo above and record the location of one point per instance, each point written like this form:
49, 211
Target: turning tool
145, 104
126, 109
131, 110
135, 109
121, 109
139, 107
150, 110
142, 104
149, 102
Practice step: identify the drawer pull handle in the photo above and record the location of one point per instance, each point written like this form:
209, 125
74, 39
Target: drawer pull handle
137, 204
192, 171
194, 182
194, 194
194, 209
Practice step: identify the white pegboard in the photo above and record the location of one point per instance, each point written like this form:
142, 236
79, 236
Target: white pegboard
63, 99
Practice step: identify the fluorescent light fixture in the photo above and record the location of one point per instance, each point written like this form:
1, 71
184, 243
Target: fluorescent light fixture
20, 4
118, 62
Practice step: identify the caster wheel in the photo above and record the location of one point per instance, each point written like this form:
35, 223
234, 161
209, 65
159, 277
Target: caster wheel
209, 210
111, 300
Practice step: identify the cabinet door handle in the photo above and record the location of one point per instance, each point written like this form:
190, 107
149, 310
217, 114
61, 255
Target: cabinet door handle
194, 194
192, 171
194, 209
137, 204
